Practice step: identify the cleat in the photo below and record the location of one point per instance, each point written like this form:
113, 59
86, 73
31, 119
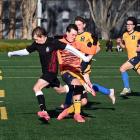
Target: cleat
63, 114
125, 91
79, 118
44, 115
112, 96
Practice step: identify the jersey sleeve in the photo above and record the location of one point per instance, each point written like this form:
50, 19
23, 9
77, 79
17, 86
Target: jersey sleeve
58, 45
83, 48
31, 48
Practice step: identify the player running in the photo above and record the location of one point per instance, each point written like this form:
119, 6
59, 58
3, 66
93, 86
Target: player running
131, 42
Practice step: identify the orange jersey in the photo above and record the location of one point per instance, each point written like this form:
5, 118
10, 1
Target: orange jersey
131, 43
69, 61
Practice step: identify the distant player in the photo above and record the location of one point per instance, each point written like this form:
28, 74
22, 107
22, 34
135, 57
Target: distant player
132, 45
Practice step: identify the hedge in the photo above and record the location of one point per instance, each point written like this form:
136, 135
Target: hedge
11, 45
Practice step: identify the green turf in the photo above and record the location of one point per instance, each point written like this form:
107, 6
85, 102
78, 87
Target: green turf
104, 121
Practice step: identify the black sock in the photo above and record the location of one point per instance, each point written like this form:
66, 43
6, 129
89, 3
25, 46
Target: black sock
41, 101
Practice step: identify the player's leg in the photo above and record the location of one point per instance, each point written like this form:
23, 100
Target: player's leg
67, 78
76, 106
40, 84
125, 78
105, 91
137, 67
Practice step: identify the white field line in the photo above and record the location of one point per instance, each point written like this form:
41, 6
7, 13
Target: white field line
40, 66
33, 77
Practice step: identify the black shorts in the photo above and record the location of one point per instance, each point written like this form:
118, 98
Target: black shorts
52, 80
135, 61
84, 95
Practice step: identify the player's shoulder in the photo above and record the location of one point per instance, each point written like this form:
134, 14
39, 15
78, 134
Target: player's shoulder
125, 34
87, 33
137, 33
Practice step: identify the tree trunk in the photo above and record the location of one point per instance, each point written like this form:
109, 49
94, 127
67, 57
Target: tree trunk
28, 9
1, 14
105, 34
106, 14
12, 19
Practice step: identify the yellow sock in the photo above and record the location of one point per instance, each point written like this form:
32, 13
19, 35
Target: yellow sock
77, 107
71, 109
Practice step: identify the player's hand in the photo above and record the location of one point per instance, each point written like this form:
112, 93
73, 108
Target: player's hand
9, 54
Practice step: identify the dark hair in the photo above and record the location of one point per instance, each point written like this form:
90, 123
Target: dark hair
78, 18
133, 19
71, 26
39, 31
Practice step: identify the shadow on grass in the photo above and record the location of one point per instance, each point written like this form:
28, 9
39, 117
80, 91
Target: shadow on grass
134, 94
43, 121
130, 94
91, 106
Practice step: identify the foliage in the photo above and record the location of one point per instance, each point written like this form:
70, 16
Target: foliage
10, 45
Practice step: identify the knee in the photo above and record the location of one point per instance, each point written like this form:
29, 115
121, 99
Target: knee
122, 69
84, 101
35, 89
138, 71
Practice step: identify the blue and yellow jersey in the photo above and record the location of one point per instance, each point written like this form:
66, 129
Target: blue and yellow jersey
131, 43
84, 37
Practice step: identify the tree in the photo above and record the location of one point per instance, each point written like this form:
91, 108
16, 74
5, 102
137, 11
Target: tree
1, 13
12, 19
106, 14
28, 8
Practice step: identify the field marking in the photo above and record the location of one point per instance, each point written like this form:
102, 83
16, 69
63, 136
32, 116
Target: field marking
2, 93
0, 77
3, 113
33, 66
33, 77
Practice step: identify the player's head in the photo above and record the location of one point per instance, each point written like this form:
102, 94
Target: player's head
39, 35
131, 23
71, 32
81, 24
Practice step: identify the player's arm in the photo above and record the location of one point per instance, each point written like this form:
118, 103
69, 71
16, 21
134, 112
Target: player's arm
85, 49
18, 53
23, 52
77, 53
122, 43
138, 48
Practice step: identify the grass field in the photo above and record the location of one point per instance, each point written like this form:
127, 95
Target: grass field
104, 121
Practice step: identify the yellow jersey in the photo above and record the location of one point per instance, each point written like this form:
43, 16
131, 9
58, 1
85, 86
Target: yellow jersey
131, 43
84, 37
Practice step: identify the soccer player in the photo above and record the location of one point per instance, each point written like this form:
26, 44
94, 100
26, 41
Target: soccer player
131, 44
87, 38
70, 67
70, 71
47, 49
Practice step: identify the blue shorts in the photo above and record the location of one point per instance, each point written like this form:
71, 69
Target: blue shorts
67, 78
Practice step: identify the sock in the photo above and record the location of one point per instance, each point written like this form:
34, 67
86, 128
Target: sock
68, 98
101, 89
125, 79
77, 106
71, 109
41, 100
